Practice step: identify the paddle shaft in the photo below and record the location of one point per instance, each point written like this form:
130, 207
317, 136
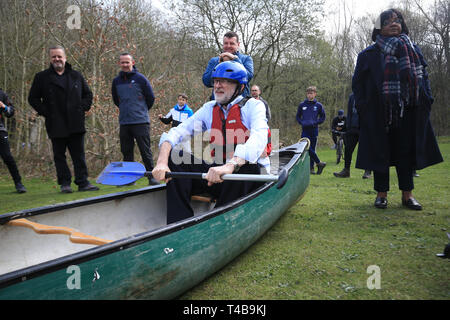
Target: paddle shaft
200, 175
234, 176
122, 173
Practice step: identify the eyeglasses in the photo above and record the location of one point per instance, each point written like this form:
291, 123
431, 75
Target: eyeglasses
389, 22
222, 81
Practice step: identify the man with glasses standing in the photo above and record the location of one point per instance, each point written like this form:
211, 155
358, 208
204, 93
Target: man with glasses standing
256, 93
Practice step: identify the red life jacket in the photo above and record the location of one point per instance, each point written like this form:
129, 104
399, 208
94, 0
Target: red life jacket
227, 133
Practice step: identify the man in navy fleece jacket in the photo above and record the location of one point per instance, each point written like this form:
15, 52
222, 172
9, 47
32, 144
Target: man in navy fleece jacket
133, 94
310, 114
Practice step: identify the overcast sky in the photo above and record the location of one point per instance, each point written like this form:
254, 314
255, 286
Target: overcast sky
357, 8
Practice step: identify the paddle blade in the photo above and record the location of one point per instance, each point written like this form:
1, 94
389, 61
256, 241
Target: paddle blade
121, 173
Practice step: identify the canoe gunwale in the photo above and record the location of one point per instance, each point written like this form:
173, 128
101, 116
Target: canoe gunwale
37, 270
6, 217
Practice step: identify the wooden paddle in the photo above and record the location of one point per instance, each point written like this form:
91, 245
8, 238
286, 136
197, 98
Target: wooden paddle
74, 235
122, 173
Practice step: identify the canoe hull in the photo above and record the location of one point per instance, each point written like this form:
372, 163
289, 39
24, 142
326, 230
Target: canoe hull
163, 264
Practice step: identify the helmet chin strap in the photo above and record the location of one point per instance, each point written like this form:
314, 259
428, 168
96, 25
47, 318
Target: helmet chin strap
239, 89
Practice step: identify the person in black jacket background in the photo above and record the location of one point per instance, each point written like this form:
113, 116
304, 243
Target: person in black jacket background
338, 124
62, 96
351, 139
7, 110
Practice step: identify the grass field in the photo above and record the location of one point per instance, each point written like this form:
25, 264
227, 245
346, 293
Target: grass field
328, 244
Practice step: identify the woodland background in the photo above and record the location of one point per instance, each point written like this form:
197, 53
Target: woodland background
289, 48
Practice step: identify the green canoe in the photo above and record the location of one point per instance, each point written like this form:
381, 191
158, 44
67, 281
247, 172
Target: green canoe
142, 257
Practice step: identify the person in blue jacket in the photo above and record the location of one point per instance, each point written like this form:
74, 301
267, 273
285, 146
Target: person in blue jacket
310, 114
230, 53
133, 94
177, 115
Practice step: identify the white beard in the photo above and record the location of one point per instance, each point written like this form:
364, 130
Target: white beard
223, 98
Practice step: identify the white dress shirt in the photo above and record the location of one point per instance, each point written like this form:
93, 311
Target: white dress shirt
253, 117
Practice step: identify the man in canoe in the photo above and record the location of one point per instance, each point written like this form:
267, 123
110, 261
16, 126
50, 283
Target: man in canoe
244, 122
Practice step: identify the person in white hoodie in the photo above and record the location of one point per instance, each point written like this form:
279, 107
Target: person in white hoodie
179, 113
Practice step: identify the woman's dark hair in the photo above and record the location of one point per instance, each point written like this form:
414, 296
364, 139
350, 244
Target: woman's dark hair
385, 15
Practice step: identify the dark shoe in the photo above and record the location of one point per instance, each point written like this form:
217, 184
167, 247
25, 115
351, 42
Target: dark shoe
153, 182
380, 203
312, 171
320, 167
88, 187
20, 188
366, 174
412, 204
345, 173
66, 189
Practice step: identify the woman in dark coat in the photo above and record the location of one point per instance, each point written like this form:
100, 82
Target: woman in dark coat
393, 98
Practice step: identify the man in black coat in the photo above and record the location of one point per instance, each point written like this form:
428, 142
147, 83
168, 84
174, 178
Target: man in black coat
62, 96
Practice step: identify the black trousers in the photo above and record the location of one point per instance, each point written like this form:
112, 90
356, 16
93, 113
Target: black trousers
75, 144
402, 155
8, 159
179, 191
350, 141
140, 133
334, 136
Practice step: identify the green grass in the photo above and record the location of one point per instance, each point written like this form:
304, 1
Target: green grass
321, 248
43, 192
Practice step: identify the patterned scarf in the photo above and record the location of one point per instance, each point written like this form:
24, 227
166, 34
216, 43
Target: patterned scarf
402, 73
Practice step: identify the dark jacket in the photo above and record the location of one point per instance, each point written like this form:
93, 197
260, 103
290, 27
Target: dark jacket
339, 123
133, 94
352, 125
309, 115
373, 151
8, 113
62, 103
